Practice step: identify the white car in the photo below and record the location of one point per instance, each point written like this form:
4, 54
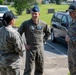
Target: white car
3, 9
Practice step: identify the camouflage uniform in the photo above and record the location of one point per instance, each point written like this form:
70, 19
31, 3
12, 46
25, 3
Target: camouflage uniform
34, 34
72, 48
10, 49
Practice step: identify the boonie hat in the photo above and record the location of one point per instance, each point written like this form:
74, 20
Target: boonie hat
72, 7
8, 16
35, 8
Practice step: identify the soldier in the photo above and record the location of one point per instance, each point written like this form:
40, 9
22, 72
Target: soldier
36, 31
71, 40
11, 46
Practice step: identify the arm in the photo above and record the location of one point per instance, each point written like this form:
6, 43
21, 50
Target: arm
46, 32
72, 34
67, 38
21, 29
19, 44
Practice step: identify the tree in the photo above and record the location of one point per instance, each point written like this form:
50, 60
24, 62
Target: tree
20, 5
64, 0
1, 2
58, 1
52, 1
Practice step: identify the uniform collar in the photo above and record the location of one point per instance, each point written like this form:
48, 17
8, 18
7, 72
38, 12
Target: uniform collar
9, 27
33, 21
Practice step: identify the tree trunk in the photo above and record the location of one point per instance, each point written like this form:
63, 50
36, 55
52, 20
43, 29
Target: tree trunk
58, 2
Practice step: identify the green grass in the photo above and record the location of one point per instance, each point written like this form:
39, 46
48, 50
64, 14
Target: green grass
68, 73
43, 13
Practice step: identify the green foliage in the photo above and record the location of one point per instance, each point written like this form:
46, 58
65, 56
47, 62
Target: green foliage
64, 0
1, 2
9, 0
20, 5
68, 73
58, 1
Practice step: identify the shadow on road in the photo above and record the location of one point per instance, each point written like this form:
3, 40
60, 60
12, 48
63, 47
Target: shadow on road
56, 48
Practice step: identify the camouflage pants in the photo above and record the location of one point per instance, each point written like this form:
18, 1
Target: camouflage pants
9, 71
72, 62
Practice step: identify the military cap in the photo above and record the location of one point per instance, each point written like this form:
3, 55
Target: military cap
35, 8
72, 7
8, 16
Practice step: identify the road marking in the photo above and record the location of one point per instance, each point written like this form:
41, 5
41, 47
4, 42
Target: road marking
55, 49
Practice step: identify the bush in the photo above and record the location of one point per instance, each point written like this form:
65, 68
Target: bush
58, 1
1, 2
19, 8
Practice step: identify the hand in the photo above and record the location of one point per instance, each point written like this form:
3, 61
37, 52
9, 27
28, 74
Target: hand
28, 47
67, 38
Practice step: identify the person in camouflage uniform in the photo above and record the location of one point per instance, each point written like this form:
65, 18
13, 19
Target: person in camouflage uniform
11, 46
71, 40
36, 31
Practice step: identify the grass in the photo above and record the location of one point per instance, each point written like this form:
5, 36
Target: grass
68, 73
43, 13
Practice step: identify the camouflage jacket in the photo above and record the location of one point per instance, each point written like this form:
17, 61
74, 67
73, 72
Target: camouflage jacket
11, 46
72, 35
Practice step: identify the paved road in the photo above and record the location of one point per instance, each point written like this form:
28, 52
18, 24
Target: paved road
55, 59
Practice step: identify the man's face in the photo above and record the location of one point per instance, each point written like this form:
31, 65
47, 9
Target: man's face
35, 15
73, 14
